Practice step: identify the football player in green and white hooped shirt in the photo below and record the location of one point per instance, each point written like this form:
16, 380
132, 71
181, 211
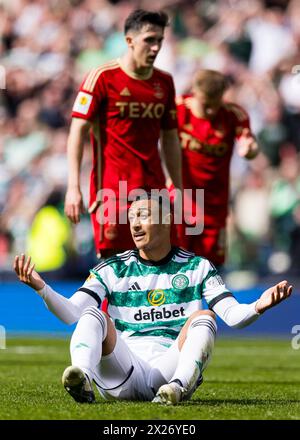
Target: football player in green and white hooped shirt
156, 341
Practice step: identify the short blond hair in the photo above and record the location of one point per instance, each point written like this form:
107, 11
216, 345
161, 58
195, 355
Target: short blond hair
210, 82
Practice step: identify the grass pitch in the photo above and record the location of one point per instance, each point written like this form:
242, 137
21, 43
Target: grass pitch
246, 379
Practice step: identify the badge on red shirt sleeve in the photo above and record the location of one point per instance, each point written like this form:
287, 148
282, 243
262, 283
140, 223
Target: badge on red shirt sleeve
82, 103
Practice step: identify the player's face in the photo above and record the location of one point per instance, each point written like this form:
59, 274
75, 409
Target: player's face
209, 106
146, 44
147, 230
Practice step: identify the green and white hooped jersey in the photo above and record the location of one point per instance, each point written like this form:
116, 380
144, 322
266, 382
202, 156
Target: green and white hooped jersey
154, 299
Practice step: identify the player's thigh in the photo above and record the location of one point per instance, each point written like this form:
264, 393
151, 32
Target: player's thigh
192, 243
109, 235
164, 368
211, 244
214, 244
119, 375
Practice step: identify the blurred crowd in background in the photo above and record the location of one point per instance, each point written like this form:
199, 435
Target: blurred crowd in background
46, 48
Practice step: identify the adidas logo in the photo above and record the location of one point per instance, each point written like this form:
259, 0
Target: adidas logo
134, 286
125, 92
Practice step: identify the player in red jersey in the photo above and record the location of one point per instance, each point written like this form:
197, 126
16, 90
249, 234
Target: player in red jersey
127, 105
208, 128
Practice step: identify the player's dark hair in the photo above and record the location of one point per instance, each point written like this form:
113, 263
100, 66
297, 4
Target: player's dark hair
138, 18
160, 197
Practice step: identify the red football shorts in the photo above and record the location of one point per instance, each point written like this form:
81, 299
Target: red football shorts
211, 244
136, 173
111, 235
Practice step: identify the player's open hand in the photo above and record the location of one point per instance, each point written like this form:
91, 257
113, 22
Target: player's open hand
26, 273
274, 295
74, 205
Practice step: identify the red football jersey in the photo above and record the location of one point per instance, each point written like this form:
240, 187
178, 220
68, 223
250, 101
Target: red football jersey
207, 147
127, 112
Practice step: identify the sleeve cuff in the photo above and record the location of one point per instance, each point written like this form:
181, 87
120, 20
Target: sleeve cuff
42, 292
254, 308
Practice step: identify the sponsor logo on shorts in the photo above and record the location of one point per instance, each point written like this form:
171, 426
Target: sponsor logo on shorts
180, 282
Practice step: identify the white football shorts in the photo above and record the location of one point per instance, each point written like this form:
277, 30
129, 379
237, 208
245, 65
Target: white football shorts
136, 368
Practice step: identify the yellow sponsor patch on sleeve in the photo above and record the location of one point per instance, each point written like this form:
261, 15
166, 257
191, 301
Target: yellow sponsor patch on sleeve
90, 277
82, 103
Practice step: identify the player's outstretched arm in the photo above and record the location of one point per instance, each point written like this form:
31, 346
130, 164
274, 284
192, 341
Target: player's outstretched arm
238, 315
67, 310
273, 296
26, 273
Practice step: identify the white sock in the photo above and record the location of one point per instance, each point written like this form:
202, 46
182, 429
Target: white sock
196, 351
86, 341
